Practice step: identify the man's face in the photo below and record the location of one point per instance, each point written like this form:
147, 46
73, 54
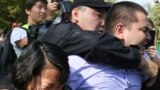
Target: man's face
138, 33
37, 13
90, 19
49, 80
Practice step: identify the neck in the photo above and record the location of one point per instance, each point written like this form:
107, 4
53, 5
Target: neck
31, 21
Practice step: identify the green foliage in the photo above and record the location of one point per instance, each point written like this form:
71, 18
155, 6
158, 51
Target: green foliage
155, 16
11, 10
113, 1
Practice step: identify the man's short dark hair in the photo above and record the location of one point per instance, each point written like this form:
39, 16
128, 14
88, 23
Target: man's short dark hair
30, 3
124, 12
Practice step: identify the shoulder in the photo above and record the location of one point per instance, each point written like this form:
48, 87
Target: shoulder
18, 30
76, 61
85, 74
18, 34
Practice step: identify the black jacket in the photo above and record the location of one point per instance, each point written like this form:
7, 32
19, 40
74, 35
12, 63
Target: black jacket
94, 47
7, 56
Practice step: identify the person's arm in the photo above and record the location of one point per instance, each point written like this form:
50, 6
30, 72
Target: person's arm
73, 42
52, 7
94, 47
22, 42
109, 50
19, 37
152, 52
149, 68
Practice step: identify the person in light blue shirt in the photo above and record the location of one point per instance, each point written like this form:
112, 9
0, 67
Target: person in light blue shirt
89, 76
127, 22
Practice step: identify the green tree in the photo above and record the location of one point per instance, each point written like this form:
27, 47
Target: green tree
11, 10
113, 1
155, 16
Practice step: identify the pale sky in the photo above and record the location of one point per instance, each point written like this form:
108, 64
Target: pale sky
141, 2
144, 3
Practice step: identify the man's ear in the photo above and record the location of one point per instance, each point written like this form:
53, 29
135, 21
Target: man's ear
75, 15
27, 11
119, 31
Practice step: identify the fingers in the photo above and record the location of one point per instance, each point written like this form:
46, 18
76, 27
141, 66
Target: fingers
152, 51
49, 1
52, 6
152, 47
152, 54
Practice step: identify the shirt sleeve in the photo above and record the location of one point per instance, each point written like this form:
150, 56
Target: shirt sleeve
17, 34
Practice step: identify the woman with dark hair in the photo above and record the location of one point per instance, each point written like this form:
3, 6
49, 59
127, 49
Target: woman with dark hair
41, 67
151, 53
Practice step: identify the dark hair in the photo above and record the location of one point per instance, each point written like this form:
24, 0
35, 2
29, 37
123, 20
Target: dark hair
33, 60
124, 12
30, 3
153, 33
151, 24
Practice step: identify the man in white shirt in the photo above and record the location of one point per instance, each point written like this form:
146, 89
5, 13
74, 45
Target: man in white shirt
36, 12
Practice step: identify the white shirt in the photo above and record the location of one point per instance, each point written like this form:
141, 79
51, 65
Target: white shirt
16, 35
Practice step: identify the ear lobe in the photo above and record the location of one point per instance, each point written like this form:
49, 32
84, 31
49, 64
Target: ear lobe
119, 31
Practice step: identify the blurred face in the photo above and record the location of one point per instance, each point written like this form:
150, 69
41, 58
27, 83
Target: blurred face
89, 18
37, 13
49, 80
153, 32
15, 24
138, 33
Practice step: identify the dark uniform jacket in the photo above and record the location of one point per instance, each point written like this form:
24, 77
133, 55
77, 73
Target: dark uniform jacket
94, 47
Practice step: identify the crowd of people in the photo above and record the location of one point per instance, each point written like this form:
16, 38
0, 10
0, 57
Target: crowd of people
102, 46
